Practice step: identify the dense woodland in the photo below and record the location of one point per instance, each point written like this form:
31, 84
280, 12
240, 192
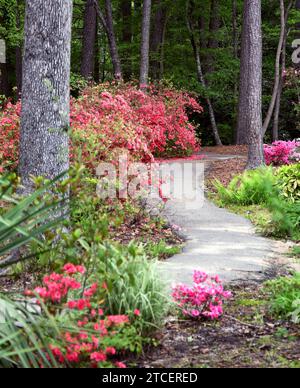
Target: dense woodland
106, 44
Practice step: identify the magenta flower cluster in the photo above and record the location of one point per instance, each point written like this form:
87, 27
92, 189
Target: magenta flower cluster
204, 299
282, 153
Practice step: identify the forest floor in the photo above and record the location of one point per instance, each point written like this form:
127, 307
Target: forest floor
246, 337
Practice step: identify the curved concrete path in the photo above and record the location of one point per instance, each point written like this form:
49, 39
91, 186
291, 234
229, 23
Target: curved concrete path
218, 242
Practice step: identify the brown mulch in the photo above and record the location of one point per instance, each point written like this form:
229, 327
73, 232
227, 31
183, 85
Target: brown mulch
227, 150
246, 337
224, 171
146, 230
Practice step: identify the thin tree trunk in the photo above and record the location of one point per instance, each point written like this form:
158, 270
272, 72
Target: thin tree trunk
277, 68
157, 40
241, 131
112, 41
107, 23
126, 11
97, 57
190, 8
44, 144
283, 69
89, 40
145, 44
254, 85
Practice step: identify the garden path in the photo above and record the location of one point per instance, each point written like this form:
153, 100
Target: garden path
218, 241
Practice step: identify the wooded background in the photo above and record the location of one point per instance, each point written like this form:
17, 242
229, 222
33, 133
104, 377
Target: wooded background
107, 44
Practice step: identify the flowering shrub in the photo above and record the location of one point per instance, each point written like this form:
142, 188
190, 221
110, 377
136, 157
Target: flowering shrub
9, 136
109, 118
282, 153
204, 299
92, 339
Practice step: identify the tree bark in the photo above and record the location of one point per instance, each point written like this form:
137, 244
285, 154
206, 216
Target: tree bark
89, 40
254, 84
112, 41
241, 131
275, 131
190, 9
108, 25
145, 44
157, 40
44, 143
277, 68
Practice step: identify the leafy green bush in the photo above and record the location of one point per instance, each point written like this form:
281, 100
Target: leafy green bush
288, 180
285, 218
131, 282
251, 188
269, 190
285, 297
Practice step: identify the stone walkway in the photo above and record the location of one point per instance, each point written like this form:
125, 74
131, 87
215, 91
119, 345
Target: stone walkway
218, 242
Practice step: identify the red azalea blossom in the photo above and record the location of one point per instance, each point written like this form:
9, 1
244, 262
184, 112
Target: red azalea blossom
110, 118
85, 344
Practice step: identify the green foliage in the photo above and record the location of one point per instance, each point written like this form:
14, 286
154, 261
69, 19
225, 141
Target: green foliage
285, 218
251, 188
288, 180
77, 84
24, 336
161, 250
131, 282
24, 220
264, 187
285, 297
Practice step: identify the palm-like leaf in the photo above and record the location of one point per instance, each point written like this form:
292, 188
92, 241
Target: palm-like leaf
28, 218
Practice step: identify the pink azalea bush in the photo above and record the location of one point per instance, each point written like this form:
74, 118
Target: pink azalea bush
282, 153
204, 299
91, 338
108, 118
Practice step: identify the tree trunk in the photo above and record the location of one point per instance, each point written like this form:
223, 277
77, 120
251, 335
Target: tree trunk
44, 144
241, 131
254, 84
277, 68
145, 44
97, 57
157, 40
108, 25
281, 81
126, 11
112, 42
89, 40
190, 9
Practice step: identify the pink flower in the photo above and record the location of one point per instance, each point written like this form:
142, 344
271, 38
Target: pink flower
120, 365
110, 350
98, 357
137, 312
